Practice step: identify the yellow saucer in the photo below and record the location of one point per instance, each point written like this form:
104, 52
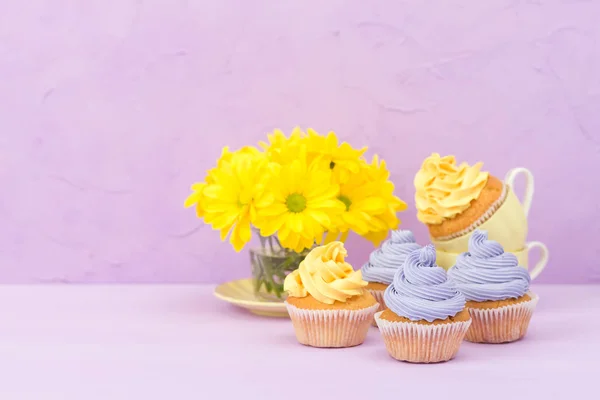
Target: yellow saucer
241, 294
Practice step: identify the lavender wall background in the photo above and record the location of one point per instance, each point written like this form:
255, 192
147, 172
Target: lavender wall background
110, 109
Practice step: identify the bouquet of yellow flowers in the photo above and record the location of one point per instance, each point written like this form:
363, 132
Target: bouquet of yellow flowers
305, 189
296, 192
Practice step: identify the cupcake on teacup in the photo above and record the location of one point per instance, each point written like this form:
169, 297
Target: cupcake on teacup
496, 289
383, 262
453, 200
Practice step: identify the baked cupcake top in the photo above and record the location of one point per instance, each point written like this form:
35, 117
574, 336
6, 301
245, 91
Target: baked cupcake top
385, 261
325, 275
421, 290
486, 272
444, 189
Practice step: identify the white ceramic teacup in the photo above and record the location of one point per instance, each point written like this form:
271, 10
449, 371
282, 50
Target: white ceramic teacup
447, 260
507, 225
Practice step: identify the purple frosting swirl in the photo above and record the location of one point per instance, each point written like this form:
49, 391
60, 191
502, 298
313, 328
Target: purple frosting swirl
486, 272
421, 290
386, 260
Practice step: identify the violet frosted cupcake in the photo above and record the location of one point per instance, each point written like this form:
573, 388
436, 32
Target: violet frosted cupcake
426, 320
496, 289
383, 263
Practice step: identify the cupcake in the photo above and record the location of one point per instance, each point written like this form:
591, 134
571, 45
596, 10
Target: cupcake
496, 289
327, 300
426, 320
453, 200
383, 263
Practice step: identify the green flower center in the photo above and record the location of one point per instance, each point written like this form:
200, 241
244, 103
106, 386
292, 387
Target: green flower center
346, 201
331, 165
295, 202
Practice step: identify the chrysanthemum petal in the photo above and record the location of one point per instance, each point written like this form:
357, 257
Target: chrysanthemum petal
371, 205
264, 200
283, 232
331, 236
318, 215
224, 220
356, 221
329, 204
295, 223
376, 237
241, 234
224, 232
192, 199
273, 210
344, 236
290, 241
323, 191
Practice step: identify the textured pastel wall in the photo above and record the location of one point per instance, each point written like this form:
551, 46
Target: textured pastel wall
110, 109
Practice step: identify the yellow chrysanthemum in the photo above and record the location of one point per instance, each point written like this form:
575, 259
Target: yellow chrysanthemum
197, 197
281, 149
388, 220
370, 206
343, 160
228, 202
361, 201
303, 204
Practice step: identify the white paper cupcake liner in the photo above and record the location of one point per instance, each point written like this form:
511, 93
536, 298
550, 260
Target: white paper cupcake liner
378, 294
418, 343
503, 324
331, 328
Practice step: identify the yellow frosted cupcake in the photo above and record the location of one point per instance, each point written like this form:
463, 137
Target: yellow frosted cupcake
496, 289
327, 300
426, 320
453, 200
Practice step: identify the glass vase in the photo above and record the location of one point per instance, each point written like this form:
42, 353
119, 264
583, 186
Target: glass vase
271, 263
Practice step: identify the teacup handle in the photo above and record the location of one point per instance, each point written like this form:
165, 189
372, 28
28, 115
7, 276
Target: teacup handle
541, 264
528, 196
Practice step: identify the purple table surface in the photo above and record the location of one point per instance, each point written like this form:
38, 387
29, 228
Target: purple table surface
179, 342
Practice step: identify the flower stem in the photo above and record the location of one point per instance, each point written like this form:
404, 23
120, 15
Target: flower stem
271, 264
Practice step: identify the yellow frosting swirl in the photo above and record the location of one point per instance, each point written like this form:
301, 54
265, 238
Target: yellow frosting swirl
444, 189
325, 275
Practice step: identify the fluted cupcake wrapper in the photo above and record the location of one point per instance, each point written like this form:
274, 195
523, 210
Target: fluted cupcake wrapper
417, 343
503, 324
331, 328
378, 294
